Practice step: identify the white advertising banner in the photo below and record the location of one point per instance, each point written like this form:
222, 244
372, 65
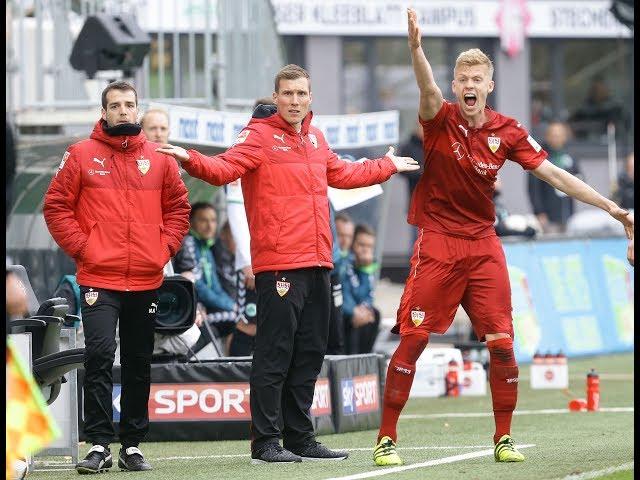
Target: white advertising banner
455, 18
200, 126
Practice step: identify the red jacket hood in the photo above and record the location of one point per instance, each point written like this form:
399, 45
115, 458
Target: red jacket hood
116, 142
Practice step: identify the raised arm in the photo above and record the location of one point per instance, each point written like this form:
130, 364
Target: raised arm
430, 95
576, 188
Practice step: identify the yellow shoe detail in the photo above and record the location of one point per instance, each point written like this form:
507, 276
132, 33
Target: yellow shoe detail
385, 453
505, 450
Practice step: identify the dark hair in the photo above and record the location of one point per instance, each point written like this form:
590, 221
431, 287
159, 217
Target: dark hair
291, 72
120, 85
363, 228
200, 206
343, 217
263, 101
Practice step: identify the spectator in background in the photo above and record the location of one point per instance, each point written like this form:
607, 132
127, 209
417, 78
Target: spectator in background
344, 229
155, 125
597, 111
335, 341
246, 297
220, 307
361, 318
413, 148
240, 340
623, 194
551, 206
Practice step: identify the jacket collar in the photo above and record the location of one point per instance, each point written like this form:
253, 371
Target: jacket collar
276, 121
120, 142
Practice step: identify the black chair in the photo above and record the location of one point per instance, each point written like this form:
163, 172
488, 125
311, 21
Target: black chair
45, 322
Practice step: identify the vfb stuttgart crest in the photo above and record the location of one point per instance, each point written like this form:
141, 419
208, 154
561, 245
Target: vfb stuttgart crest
314, 140
91, 296
282, 287
143, 165
494, 143
417, 317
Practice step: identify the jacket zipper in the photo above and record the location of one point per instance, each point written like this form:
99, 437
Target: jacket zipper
126, 189
313, 197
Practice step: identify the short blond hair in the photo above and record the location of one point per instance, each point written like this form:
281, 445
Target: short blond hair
291, 72
472, 57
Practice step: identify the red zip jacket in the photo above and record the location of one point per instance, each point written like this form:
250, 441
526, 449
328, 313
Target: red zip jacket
119, 208
284, 182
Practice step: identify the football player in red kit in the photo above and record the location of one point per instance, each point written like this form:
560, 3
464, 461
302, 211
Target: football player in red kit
457, 258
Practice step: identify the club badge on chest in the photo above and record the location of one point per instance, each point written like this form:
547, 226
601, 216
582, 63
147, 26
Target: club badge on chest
143, 165
494, 143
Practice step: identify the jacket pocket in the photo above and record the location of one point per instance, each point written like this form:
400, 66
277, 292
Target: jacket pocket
149, 253
297, 221
83, 253
106, 249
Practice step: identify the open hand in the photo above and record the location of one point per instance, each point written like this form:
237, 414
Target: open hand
413, 28
626, 218
178, 153
403, 164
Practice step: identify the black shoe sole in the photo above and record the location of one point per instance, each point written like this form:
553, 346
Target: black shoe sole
124, 468
90, 471
323, 459
257, 461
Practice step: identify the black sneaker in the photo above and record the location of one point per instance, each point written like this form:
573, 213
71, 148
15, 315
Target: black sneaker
98, 460
132, 459
315, 451
273, 453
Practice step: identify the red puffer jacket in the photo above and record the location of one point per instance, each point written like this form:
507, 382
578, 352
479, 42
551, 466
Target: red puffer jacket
284, 182
119, 208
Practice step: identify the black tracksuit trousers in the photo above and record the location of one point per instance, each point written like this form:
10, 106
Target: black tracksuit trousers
291, 340
137, 324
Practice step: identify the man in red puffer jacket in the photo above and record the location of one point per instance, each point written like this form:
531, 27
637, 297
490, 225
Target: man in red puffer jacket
286, 166
120, 210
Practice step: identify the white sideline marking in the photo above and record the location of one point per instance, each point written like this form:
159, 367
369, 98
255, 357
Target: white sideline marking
430, 463
516, 412
244, 455
598, 473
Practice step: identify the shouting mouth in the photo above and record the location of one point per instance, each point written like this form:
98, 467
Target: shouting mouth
470, 99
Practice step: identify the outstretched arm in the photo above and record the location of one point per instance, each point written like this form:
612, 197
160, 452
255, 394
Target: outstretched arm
430, 95
343, 174
576, 188
244, 155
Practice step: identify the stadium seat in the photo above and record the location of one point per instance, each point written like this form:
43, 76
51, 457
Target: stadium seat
44, 323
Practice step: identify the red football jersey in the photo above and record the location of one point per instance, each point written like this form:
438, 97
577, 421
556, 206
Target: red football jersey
455, 193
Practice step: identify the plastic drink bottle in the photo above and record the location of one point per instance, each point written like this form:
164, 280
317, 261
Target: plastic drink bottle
593, 391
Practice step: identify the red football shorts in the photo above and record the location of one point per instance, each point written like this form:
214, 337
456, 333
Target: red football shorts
450, 271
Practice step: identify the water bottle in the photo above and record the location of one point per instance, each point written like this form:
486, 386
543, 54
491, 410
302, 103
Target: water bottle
593, 391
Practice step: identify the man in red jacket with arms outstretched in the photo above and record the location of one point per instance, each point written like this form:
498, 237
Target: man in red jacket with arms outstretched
457, 257
286, 166
120, 210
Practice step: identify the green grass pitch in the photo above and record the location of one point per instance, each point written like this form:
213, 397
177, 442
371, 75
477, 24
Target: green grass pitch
566, 445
